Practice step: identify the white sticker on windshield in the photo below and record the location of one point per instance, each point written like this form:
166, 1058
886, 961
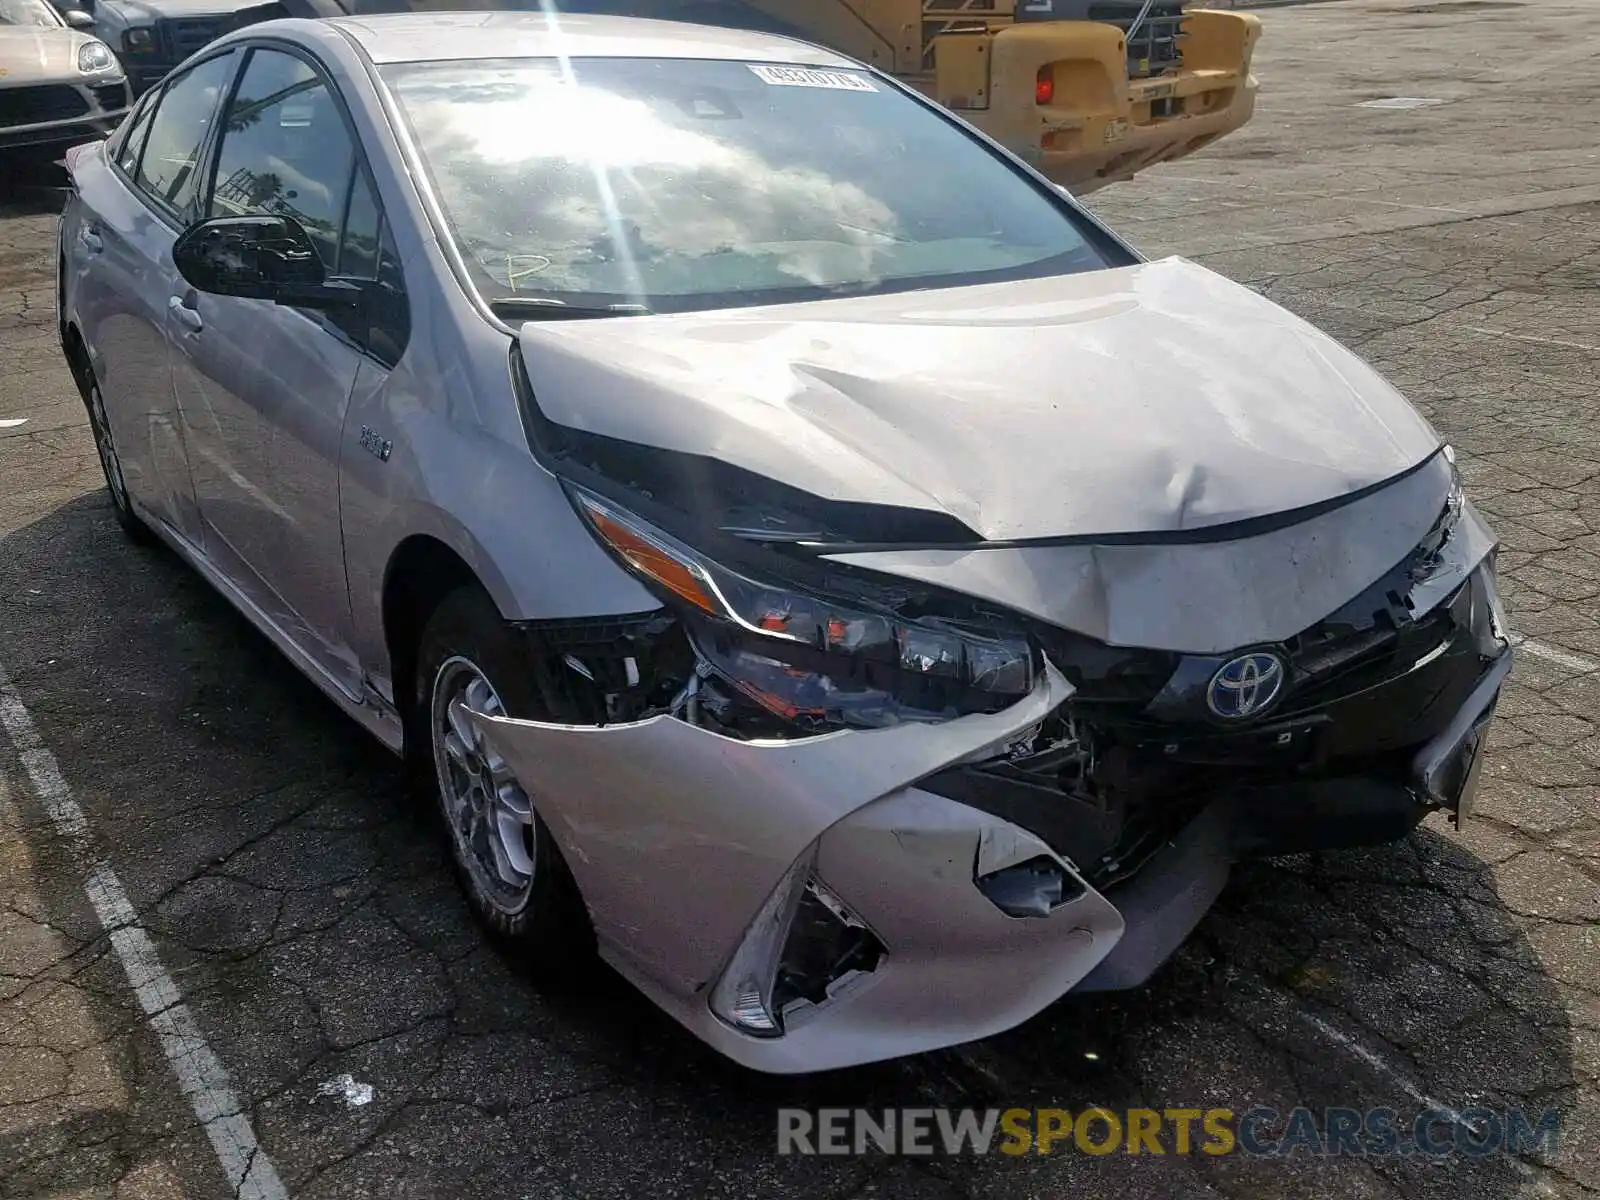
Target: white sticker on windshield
839, 81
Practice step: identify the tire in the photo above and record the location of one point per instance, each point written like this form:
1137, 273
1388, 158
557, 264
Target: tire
506, 860
110, 464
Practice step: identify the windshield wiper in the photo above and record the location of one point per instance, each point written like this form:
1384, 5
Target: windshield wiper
541, 308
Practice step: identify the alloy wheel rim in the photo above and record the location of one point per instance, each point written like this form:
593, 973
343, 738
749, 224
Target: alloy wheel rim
488, 812
108, 452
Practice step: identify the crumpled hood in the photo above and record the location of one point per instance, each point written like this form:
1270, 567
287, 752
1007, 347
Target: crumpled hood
33, 54
1155, 398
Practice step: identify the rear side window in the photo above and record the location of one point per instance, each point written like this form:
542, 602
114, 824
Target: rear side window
129, 140
169, 168
285, 150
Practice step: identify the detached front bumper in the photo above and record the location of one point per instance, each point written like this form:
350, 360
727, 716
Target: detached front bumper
680, 839
693, 851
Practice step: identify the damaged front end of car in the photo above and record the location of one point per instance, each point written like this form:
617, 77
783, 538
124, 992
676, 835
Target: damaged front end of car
865, 786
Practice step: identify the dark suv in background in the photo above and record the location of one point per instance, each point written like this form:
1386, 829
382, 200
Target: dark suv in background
151, 37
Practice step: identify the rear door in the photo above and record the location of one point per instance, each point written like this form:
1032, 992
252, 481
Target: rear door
120, 246
264, 388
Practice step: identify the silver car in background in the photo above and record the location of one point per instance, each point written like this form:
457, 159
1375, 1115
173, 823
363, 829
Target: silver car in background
806, 555
58, 84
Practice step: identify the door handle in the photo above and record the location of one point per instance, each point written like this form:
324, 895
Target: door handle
90, 238
187, 317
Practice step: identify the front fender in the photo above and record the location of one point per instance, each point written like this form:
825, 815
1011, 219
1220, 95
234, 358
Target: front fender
484, 497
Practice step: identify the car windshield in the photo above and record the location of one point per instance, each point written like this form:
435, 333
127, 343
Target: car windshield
684, 184
29, 12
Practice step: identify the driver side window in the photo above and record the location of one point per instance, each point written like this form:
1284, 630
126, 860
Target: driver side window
169, 167
285, 151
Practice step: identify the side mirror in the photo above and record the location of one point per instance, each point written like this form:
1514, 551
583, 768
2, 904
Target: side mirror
259, 258
78, 19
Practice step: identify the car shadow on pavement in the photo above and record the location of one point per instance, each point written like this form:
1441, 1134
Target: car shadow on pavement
304, 905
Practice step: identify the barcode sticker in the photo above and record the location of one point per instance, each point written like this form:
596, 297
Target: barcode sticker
811, 77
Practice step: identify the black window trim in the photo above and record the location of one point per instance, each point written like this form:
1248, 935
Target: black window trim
164, 212
359, 171
356, 174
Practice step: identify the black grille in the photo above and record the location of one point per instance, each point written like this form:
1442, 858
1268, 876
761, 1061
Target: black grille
1122, 680
1376, 634
44, 102
112, 97
1153, 46
184, 37
1343, 661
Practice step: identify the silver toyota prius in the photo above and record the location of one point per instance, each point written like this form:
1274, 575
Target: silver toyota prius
810, 559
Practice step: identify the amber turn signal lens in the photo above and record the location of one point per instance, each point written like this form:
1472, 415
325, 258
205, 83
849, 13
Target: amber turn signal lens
650, 559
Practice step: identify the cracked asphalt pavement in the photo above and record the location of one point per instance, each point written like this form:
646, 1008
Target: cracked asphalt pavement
305, 909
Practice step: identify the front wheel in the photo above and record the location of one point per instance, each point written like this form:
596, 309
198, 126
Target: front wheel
472, 661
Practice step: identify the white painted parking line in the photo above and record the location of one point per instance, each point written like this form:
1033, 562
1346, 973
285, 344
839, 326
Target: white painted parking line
1528, 337
1399, 102
201, 1076
1554, 654
1381, 1066
1289, 1004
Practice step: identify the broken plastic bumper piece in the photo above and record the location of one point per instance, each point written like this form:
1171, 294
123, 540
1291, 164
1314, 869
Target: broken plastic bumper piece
1447, 768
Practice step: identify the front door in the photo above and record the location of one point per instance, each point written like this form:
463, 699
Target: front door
264, 388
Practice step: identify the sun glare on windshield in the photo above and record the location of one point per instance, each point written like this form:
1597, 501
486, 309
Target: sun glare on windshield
682, 184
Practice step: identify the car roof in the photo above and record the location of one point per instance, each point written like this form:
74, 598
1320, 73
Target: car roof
437, 36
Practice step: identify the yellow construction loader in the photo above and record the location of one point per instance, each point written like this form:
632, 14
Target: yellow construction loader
1088, 91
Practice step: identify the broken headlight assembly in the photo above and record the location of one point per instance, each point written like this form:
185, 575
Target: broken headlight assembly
1451, 551
807, 660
